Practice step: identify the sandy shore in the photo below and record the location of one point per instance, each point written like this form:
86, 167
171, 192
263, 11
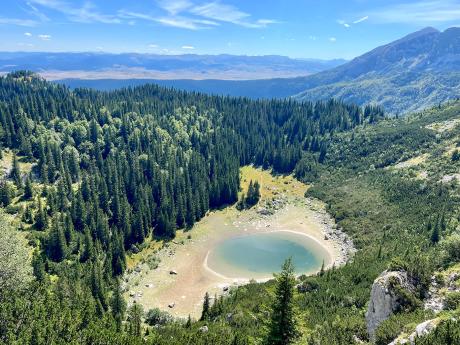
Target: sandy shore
185, 289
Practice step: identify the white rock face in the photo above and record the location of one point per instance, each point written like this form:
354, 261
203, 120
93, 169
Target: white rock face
384, 302
421, 330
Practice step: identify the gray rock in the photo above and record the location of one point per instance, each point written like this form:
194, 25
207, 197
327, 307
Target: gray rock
384, 301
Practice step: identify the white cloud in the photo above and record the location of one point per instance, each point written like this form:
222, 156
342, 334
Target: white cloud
153, 46
344, 23
35, 12
174, 6
44, 37
219, 11
332, 39
313, 38
177, 21
188, 47
85, 14
421, 12
16, 21
362, 19
28, 34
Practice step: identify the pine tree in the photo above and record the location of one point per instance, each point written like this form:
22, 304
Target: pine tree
188, 324
28, 190
435, 234
6, 193
118, 306
88, 250
57, 247
38, 266
283, 326
206, 307
135, 315
16, 172
40, 218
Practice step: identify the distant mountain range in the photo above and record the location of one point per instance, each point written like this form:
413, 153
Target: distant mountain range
407, 75
163, 67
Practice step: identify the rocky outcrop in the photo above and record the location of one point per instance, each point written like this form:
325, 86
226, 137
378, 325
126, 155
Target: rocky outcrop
386, 298
421, 330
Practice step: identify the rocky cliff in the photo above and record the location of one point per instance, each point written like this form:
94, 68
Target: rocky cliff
386, 298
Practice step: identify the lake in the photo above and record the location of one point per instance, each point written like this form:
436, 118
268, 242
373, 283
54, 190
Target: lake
258, 256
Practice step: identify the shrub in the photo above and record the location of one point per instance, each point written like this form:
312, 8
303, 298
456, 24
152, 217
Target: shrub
157, 317
451, 249
453, 300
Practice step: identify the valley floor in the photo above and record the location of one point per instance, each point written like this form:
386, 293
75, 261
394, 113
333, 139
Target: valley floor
282, 207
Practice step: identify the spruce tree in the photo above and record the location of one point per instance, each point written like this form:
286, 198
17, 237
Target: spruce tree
16, 172
283, 326
435, 234
118, 305
206, 307
40, 218
135, 315
28, 190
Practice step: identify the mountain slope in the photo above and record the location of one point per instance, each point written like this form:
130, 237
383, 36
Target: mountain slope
407, 75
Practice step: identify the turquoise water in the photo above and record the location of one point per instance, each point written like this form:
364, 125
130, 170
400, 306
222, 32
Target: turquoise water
260, 255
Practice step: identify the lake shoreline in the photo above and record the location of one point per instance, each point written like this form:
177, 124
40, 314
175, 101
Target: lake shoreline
182, 277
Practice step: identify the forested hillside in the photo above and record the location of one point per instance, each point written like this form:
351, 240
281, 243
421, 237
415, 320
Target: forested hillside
95, 173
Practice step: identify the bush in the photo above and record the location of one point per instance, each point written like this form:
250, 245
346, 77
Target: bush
453, 300
451, 249
157, 317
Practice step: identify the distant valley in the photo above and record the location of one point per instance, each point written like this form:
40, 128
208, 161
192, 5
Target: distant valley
417, 71
124, 66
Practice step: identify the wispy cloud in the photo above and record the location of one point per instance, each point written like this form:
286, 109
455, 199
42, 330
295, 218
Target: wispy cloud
44, 37
28, 34
188, 47
344, 23
332, 39
175, 6
185, 14
85, 14
421, 12
34, 11
17, 21
174, 21
362, 19
228, 13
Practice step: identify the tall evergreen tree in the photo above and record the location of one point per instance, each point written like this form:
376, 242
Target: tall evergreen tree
206, 307
283, 326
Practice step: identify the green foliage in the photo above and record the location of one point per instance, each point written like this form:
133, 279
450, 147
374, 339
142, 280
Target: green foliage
135, 315
451, 249
283, 326
157, 317
252, 197
391, 328
206, 307
452, 301
15, 268
447, 333
121, 166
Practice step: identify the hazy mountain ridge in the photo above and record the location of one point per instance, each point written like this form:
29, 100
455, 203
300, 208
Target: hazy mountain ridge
153, 66
409, 74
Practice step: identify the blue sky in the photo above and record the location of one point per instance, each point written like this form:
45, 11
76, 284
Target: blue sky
296, 28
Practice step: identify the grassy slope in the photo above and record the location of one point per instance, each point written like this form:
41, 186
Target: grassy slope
385, 209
